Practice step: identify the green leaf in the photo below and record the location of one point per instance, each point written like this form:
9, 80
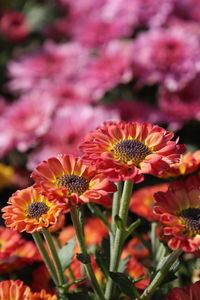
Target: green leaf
96, 210
83, 258
131, 228
66, 253
119, 223
124, 283
169, 277
173, 268
78, 296
38, 14
101, 261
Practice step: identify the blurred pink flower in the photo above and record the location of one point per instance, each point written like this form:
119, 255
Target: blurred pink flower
138, 111
154, 13
13, 26
168, 56
51, 65
94, 23
109, 68
188, 9
183, 105
24, 121
69, 126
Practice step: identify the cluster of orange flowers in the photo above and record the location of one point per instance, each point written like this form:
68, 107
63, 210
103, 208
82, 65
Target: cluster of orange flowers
113, 152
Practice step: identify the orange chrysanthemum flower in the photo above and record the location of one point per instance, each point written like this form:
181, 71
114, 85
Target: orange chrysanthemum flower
15, 252
189, 163
136, 270
127, 150
142, 201
179, 212
136, 248
186, 293
14, 290
69, 179
42, 295
29, 211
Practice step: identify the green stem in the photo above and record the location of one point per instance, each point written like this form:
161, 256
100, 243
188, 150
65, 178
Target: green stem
160, 275
39, 242
153, 239
54, 254
81, 242
115, 211
119, 237
116, 205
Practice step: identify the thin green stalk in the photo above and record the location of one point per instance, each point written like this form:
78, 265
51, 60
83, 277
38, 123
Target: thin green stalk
149, 291
116, 205
119, 237
115, 211
153, 238
80, 238
54, 254
39, 242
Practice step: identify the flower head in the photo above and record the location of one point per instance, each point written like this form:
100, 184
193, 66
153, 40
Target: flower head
179, 212
142, 201
168, 56
136, 248
189, 163
42, 295
136, 270
185, 293
70, 180
15, 290
30, 211
126, 150
15, 252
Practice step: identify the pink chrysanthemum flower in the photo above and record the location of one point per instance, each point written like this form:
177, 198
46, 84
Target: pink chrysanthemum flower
13, 26
127, 150
69, 138
185, 293
69, 179
95, 24
167, 56
183, 105
25, 121
50, 66
178, 210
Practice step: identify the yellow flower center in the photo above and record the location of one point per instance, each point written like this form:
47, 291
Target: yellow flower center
37, 209
73, 183
191, 219
131, 150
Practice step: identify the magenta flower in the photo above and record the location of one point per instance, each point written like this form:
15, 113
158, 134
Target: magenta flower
168, 56
182, 105
25, 121
71, 130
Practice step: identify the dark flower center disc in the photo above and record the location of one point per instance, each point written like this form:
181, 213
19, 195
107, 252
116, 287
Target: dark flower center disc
131, 150
191, 219
37, 209
73, 183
